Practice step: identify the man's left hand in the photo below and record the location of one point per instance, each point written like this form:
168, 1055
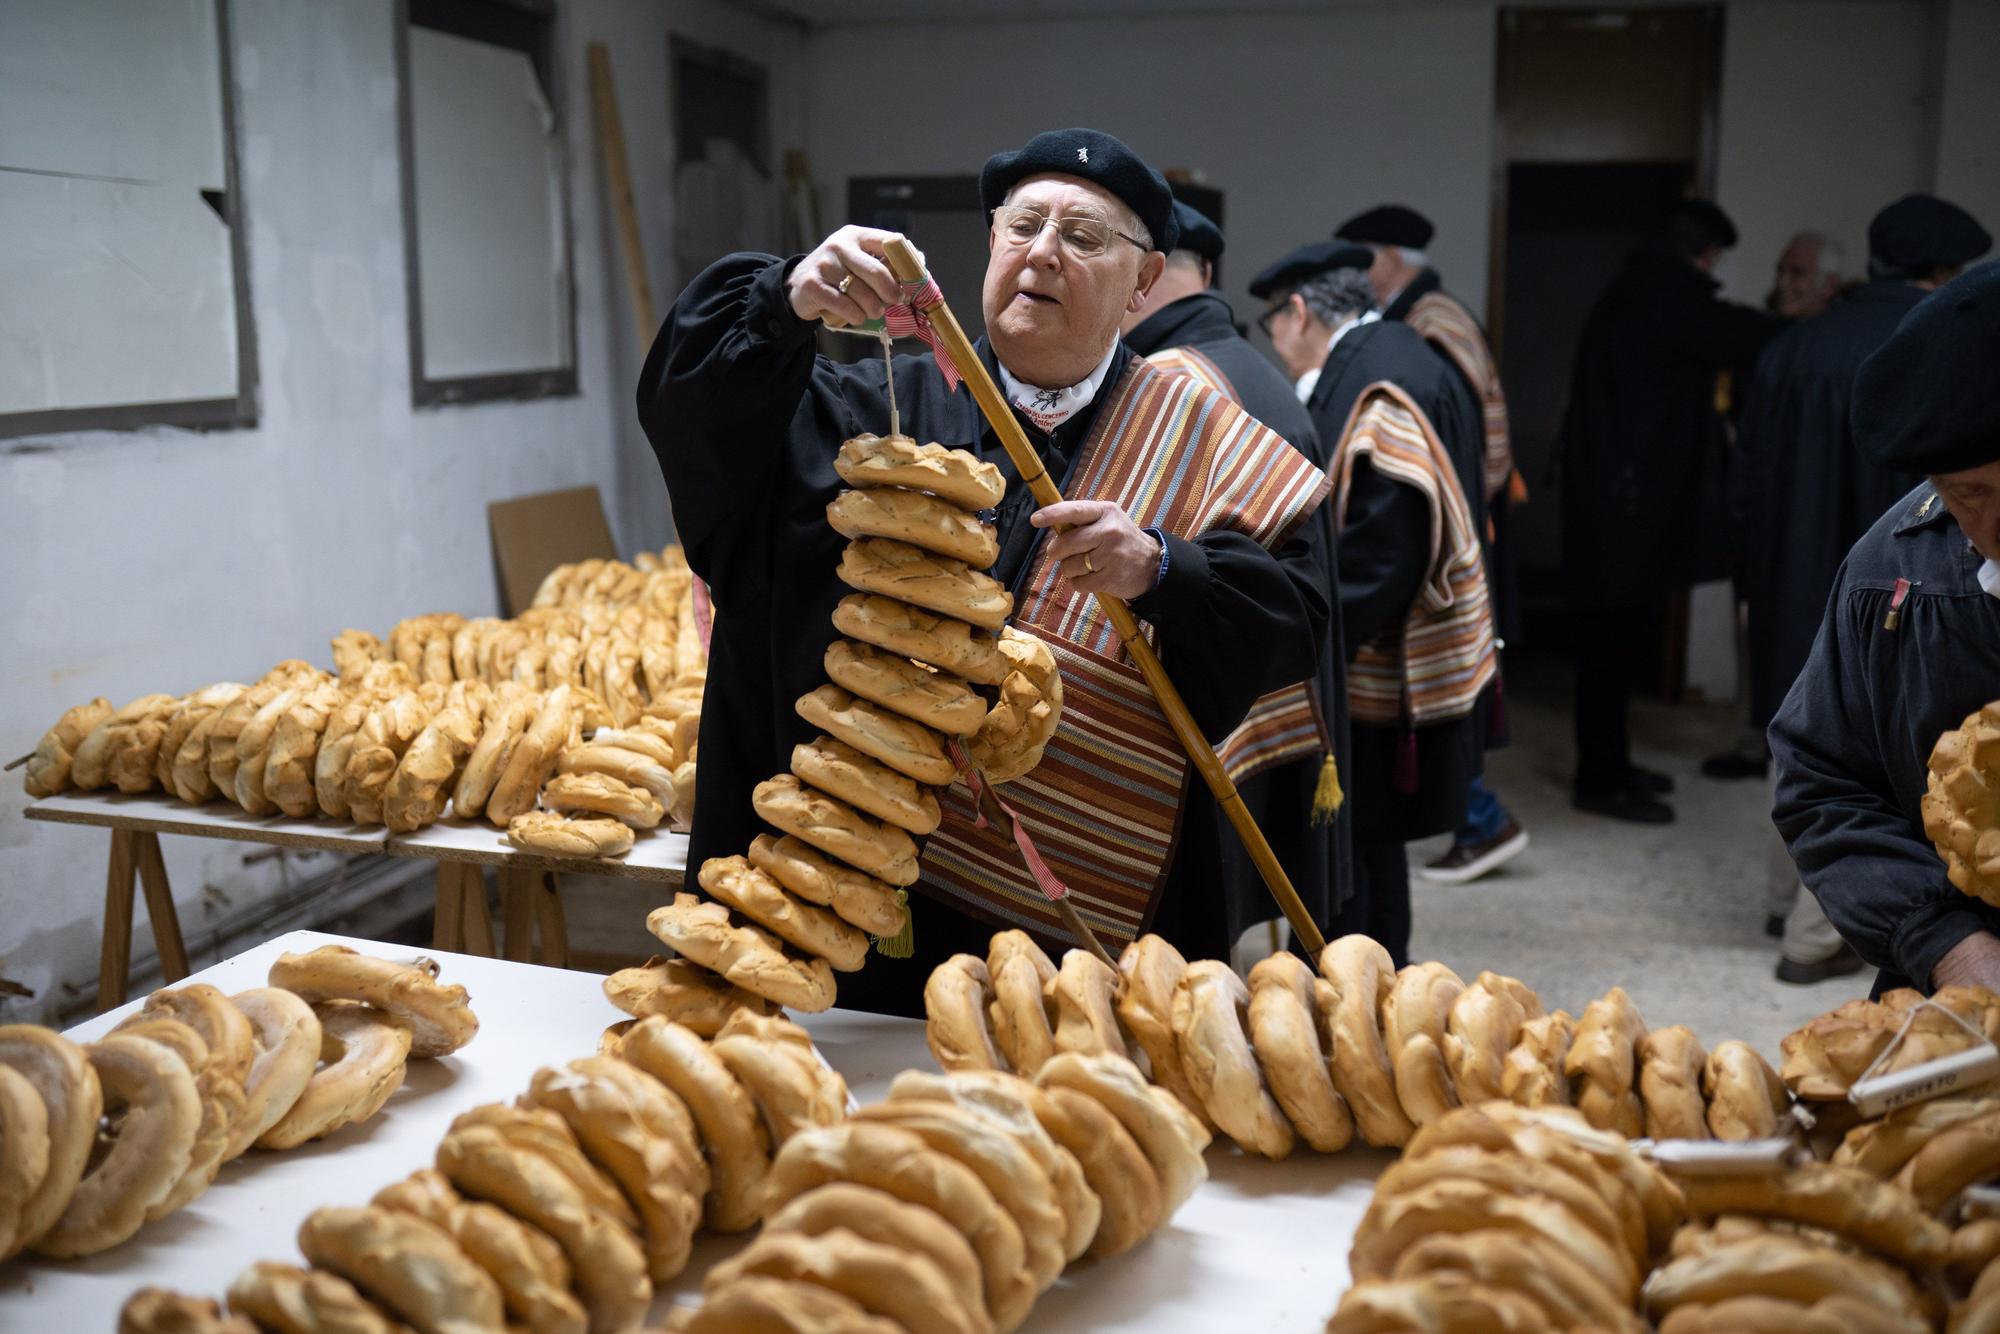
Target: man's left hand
1103, 551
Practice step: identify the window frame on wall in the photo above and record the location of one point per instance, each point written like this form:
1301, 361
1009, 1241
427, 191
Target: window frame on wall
233, 412
532, 27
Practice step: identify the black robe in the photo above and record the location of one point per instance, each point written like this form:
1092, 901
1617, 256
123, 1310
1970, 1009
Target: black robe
1853, 739
1281, 798
745, 421
1805, 491
1642, 445
1382, 555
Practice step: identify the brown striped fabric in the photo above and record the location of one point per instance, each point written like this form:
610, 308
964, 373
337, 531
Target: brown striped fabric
1440, 319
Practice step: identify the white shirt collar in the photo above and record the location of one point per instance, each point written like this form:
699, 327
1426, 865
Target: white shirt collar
1306, 382
1050, 408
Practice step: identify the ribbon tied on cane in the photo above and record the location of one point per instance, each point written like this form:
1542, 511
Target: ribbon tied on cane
1052, 888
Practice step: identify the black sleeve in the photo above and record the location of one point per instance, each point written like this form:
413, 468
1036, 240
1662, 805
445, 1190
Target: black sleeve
1877, 878
1384, 550
1731, 337
1236, 622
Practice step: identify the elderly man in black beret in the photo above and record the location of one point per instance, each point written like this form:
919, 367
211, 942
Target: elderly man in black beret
1226, 570
1810, 493
1910, 645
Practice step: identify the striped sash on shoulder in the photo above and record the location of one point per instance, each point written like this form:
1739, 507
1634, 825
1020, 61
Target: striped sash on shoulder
1440, 319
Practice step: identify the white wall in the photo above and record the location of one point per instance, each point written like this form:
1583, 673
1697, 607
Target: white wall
1968, 168
162, 559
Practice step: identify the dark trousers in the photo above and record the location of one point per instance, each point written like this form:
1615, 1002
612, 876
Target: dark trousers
1613, 639
1380, 906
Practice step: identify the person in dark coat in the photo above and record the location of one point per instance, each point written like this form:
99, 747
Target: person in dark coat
1908, 648
746, 422
1280, 784
1403, 783
1640, 441
1813, 493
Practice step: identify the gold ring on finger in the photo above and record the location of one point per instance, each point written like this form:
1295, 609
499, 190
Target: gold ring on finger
846, 283
1086, 563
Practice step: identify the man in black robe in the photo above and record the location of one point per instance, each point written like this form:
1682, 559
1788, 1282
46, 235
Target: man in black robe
1812, 494
746, 422
1910, 645
1185, 312
1640, 441
1323, 326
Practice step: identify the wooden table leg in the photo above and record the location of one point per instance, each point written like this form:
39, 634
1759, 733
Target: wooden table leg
160, 908
477, 932
448, 920
517, 908
549, 913
114, 964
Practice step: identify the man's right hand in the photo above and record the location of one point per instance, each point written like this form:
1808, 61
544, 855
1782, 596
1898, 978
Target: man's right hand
852, 253
1972, 962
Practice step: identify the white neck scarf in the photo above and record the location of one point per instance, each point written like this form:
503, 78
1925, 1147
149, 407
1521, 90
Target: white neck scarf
1050, 408
1989, 577
1306, 382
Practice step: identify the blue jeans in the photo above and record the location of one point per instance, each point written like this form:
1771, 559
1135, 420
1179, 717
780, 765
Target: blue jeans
1485, 817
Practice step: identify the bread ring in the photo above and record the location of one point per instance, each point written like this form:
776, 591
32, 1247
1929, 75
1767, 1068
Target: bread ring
874, 847
422, 783
1081, 995
956, 997
896, 1161
640, 1133
533, 757
288, 1044
897, 460
903, 1286
738, 1144
1779, 1267
363, 1054
330, 761
880, 1217
1020, 725
922, 521
1130, 1199
1169, 1135
735, 882
1508, 1173
1441, 1304
780, 1082
294, 751
1362, 976
1607, 1036
1535, 1267
1745, 1096
934, 583
741, 953
1974, 1246
1414, 1018
675, 989
49, 766
1020, 1010
936, 699
1149, 969
1293, 1052
158, 1311
1844, 1200
1532, 1073
531, 1271
608, 1266
948, 644
192, 712
155, 1112
24, 1152
567, 794
222, 1104
223, 1028
284, 1299
839, 770
1011, 1103
385, 736
1881, 1147
412, 1267
551, 835
910, 748
1485, 1024
630, 767
94, 756
224, 730
754, 1304
440, 1020
1211, 1006
1396, 1222
1767, 1315
855, 896
545, 1133
1670, 1064
505, 723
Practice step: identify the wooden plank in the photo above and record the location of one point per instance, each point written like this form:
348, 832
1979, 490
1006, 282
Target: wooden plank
157, 814
618, 181
549, 913
478, 920
517, 907
160, 908
658, 856
114, 964
448, 918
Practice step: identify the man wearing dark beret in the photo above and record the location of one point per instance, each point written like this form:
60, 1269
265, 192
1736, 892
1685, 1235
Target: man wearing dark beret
1810, 492
1909, 646
1227, 571
1293, 737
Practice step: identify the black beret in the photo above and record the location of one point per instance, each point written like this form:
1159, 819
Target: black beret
1919, 233
1388, 224
1092, 156
1309, 261
1197, 232
1918, 402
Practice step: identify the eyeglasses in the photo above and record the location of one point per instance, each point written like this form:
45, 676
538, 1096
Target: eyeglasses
1265, 320
1086, 238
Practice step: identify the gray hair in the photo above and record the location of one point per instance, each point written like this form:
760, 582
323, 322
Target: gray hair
1337, 296
1416, 259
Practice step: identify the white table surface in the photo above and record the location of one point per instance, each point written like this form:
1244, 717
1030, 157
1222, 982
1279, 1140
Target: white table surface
1262, 1246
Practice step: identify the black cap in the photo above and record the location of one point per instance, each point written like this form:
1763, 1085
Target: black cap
1309, 261
1388, 224
1095, 157
1919, 233
1696, 226
1918, 406
1197, 232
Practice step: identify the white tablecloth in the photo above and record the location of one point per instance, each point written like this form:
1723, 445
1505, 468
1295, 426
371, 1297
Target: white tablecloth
1262, 1246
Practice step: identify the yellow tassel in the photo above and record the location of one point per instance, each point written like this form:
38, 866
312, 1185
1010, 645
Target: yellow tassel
1327, 796
904, 943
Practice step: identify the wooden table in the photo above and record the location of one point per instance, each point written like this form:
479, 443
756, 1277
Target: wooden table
530, 894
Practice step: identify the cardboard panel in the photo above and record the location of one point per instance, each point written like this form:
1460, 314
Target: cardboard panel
534, 534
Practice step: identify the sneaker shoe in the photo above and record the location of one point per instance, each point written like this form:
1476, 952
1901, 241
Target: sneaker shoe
1624, 804
1649, 782
1468, 859
1841, 963
1734, 764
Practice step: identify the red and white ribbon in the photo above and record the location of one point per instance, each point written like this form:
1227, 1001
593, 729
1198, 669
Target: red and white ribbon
1045, 880
911, 320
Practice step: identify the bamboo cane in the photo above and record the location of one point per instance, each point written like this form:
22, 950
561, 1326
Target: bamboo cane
909, 268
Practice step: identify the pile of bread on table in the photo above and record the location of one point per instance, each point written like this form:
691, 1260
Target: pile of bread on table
483, 718
1961, 806
924, 631
100, 1138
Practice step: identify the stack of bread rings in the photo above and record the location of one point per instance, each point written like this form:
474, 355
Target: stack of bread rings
922, 629
955, 1203
99, 1139
560, 1211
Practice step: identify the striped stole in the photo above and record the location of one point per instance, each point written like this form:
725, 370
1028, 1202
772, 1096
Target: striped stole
1439, 319
1104, 804
1432, 667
